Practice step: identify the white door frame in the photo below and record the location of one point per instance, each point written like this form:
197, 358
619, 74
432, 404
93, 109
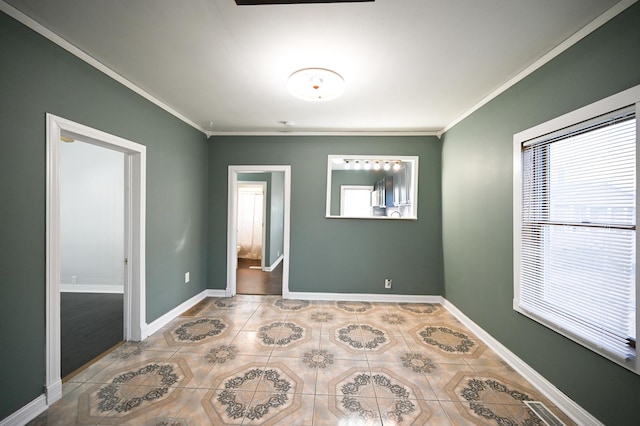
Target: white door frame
232, 218
135, 203
262, 184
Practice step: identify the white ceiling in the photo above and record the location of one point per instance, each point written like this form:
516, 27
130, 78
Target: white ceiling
409, 65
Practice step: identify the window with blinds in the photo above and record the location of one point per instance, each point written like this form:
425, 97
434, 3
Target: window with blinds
576, 232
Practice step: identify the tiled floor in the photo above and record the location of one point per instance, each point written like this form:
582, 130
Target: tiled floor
262, 360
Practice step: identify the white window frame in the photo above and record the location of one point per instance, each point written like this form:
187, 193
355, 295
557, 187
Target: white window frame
343, 197
629, 97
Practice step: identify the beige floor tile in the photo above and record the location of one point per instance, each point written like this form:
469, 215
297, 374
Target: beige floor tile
331, 410
329, 380
306, 363
249, 343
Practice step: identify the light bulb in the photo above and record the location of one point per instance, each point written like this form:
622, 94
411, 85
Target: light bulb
396, 166
386, 166
347, 164
367, 165
356, 166
376, 165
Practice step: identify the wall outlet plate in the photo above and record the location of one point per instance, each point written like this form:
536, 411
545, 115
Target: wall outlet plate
387, 283
186, 277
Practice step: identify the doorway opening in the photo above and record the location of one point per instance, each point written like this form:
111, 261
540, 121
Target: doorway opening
258, 230
92, 252
131, 259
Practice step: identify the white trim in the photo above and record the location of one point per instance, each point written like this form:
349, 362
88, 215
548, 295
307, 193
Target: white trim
553, 53
557, 397
174, 313
274, 265
575, 38
412, 159
27, 413
437, 133
81, 54
212, 292
599, 108
364, 297
89, 288
135, 291
603, 106
232, 213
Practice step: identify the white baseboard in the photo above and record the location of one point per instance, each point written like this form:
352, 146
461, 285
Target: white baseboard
557, 398
275, 264
175, 312
54, 392
215, 293
364, 297
26, 413
89, 288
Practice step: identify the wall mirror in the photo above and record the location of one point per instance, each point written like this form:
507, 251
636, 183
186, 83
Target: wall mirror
372, 186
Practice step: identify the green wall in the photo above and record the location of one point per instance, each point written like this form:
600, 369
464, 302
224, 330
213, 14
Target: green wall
477, 213
338, 255
37, 77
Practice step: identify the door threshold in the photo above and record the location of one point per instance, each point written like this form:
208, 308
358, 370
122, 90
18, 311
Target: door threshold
90, 363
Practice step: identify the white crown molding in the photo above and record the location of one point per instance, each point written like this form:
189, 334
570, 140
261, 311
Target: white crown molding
81, 54
328, 133
576, 37
556, 51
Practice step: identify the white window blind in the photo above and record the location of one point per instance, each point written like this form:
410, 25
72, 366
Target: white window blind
578, 233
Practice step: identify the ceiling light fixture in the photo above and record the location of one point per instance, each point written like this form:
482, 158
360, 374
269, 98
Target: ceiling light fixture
315, 84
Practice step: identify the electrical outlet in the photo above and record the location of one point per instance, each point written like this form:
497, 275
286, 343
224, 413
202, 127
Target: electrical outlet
387, 283
186, 277
74, 279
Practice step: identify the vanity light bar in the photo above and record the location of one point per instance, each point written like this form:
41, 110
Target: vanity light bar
357, 164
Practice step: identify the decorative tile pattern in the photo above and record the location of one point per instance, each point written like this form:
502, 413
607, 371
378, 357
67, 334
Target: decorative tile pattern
397, 402
195, 331
280, 333
420, 308
221, 354
355, 363
111, 398
275, 399
129, 349
418, 363
478, 392
229, 302
355, 307
393, 319
291, 305
362, 336
322, 316
318, 358
440, 336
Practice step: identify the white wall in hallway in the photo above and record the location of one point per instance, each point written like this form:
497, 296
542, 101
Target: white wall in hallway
92, 218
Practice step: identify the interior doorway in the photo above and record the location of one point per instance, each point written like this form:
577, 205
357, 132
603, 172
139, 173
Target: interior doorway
60, 131
92, 251
259, 196
251, 222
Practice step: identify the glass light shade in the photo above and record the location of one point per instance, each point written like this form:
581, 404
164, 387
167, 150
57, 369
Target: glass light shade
315, 84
